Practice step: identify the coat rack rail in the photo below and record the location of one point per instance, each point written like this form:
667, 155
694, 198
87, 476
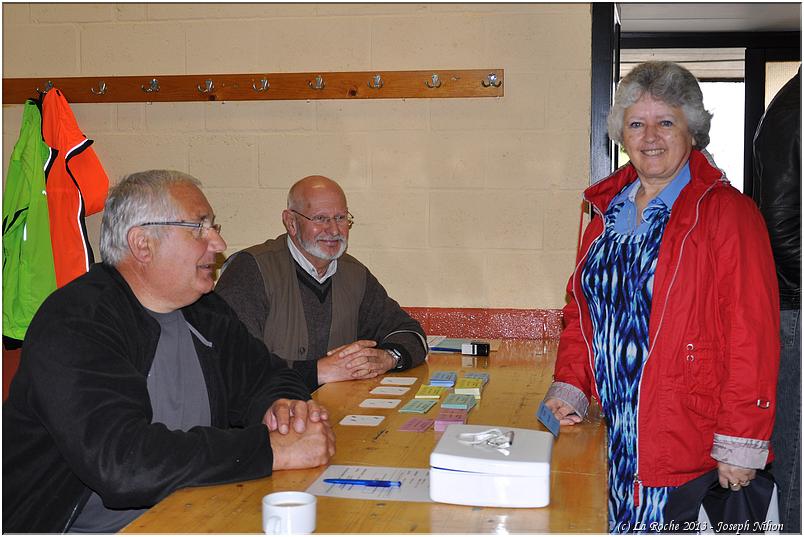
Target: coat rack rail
264, 86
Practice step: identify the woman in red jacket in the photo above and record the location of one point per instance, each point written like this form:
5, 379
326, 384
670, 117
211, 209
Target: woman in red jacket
672, 322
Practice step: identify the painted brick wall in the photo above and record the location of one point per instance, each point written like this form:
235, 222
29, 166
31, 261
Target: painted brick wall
458, 202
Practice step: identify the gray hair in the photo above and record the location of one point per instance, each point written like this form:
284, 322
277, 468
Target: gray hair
138, 198
669, 83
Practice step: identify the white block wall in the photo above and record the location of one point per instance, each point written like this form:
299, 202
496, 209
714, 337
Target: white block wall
458, 202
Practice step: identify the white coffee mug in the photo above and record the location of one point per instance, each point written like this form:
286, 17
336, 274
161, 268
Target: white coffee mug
288, 513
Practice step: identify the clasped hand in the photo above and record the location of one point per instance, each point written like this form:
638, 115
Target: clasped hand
300, 434
358, 360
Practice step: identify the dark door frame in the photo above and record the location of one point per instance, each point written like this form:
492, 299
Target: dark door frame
605, 67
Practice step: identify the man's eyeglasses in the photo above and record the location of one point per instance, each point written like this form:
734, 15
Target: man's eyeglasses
201, 228
321, 220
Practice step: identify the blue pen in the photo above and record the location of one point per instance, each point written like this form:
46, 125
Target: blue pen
364, 482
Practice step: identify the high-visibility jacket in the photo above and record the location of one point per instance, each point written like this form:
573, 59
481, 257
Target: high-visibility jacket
76, 187
28, 273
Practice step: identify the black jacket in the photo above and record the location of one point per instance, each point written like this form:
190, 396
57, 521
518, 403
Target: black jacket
78, 415
777, 186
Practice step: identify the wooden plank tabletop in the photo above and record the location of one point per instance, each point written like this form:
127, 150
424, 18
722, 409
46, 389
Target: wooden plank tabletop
520, 373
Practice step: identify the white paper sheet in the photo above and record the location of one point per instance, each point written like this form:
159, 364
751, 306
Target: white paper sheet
380, 403
399, 381
415, 483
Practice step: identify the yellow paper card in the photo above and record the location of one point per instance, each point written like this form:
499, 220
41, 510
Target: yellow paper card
466, 386
430, 392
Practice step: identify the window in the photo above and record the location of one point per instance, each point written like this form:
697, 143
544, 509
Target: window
721, 73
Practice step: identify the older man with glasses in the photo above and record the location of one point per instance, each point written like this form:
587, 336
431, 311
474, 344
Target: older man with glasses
137, 380
312, 304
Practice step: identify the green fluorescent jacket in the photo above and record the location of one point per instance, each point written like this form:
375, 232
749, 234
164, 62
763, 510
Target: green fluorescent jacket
28, 272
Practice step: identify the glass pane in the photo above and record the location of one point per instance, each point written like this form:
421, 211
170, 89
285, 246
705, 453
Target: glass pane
721, 73
704, 63
776, 75
726, 100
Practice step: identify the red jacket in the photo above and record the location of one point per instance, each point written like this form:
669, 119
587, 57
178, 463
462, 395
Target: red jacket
708, 385
76, 187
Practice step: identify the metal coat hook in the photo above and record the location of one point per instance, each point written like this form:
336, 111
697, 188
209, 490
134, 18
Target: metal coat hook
491, 80
436, 81
209, 86
264, 85
101, 88
153, 87
48, 87
376, 82
319, 83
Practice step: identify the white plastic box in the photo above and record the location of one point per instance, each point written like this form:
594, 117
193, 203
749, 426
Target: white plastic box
468, 467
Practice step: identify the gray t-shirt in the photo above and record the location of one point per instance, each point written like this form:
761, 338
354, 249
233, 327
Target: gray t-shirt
179, 399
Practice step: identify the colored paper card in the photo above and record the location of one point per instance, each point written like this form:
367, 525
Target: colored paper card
380, 403
548, 419
448, 345
449, 416
443, 378
441, 425
399, 381
417, 425
455, 414
433, 341
467, 386
482, 376
430, 392
359, 419
389, 390
469, 383
455, 400
418, 406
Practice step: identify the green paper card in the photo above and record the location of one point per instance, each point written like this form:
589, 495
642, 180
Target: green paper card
453, 400
417, 406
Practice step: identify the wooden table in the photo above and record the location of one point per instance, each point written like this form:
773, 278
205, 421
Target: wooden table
520, 373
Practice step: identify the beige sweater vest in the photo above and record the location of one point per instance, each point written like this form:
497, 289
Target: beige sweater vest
286, 331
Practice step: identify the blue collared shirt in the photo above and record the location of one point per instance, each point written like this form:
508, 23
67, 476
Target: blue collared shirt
626, 218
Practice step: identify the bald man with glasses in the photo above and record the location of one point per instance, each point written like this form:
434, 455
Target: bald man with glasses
315, 306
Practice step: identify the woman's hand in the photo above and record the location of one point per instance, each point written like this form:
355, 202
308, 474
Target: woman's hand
564, 413
734, 477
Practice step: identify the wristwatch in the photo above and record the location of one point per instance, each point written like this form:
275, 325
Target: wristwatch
396, 355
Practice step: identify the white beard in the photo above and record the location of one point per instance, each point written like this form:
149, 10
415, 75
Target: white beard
315, 250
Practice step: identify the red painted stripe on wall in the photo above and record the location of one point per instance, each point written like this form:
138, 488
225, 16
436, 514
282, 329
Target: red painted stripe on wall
11, 361
450, 322
489, 323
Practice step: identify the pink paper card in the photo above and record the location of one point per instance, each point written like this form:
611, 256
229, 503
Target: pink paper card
448, 416
452, 414
417, 425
